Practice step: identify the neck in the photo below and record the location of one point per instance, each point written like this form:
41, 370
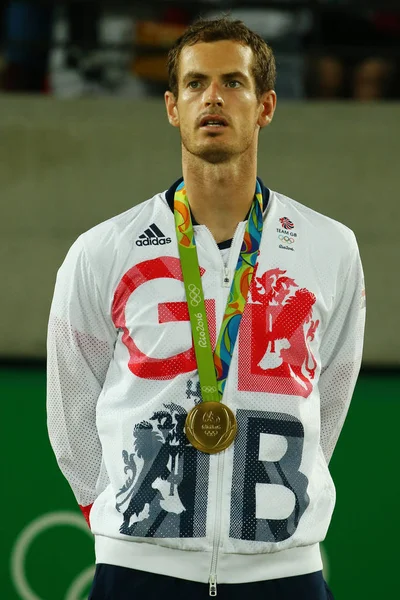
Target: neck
220, 195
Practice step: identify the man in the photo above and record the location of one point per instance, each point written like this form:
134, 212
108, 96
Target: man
203, 349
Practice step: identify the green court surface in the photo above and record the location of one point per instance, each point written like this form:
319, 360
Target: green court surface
47, 548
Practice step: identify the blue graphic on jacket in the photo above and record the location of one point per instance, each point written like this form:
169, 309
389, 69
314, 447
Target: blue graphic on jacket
168, 480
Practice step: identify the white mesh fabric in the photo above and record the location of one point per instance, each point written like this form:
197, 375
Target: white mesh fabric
76, 369
341, 353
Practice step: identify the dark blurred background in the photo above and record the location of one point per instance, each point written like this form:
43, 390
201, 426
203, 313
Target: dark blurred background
330, 49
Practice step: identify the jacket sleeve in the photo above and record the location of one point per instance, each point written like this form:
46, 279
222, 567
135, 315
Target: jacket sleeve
80, 344
341, 352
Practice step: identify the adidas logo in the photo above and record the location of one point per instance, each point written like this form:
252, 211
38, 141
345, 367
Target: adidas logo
152, 237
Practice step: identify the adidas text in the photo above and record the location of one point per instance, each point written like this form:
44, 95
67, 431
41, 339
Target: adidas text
153, 242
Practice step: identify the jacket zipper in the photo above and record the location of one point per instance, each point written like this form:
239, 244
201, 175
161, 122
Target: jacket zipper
226, 282
227, 278
227, 271
217, 528
213, 586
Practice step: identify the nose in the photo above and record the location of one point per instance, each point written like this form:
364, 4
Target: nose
213, 95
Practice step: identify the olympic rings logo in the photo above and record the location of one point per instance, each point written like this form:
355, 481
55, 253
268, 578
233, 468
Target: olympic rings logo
195, 297
286, 239
23, 543
208, 389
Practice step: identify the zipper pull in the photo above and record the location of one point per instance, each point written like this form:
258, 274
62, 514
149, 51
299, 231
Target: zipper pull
226, 281
213, 585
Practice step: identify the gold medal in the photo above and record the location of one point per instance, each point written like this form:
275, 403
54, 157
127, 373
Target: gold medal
211, 427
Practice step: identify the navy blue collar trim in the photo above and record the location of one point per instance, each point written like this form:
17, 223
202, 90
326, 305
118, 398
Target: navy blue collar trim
170, 194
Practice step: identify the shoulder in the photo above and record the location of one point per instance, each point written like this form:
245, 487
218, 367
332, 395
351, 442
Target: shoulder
110, 236
318, 227
126, 222
109, 242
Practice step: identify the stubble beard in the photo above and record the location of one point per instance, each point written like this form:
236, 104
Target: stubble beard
213, 155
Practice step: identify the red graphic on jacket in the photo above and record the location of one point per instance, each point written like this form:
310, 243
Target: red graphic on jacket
149, 271
274, 335
277, 324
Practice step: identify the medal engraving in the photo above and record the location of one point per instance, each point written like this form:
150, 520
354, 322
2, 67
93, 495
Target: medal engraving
210, 427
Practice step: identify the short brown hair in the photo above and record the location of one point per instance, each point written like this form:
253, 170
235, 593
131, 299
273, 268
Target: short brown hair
263, 70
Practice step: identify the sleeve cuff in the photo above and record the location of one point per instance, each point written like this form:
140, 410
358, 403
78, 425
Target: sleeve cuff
86, 512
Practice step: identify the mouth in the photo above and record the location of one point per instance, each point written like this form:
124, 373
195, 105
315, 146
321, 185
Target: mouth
213, 122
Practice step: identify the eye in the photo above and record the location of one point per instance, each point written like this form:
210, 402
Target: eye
234, 82
193, 85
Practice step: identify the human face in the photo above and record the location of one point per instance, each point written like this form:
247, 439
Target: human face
215, 79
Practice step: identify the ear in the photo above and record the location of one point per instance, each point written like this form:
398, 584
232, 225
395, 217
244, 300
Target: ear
172, 109
267, 108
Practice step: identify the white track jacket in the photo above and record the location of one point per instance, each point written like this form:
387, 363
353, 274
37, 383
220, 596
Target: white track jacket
122, 377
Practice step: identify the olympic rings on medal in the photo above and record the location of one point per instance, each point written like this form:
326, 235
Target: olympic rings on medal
286, 239
195, 298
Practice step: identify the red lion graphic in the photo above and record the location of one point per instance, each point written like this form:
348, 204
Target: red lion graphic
281, 328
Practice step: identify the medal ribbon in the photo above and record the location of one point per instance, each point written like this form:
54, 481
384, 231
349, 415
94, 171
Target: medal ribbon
214, 367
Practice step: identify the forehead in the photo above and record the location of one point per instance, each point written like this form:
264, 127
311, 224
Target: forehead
224, 56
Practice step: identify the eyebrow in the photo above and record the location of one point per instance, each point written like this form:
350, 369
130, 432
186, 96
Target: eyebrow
197, 75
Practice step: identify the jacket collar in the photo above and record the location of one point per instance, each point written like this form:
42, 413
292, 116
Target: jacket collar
170, 194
